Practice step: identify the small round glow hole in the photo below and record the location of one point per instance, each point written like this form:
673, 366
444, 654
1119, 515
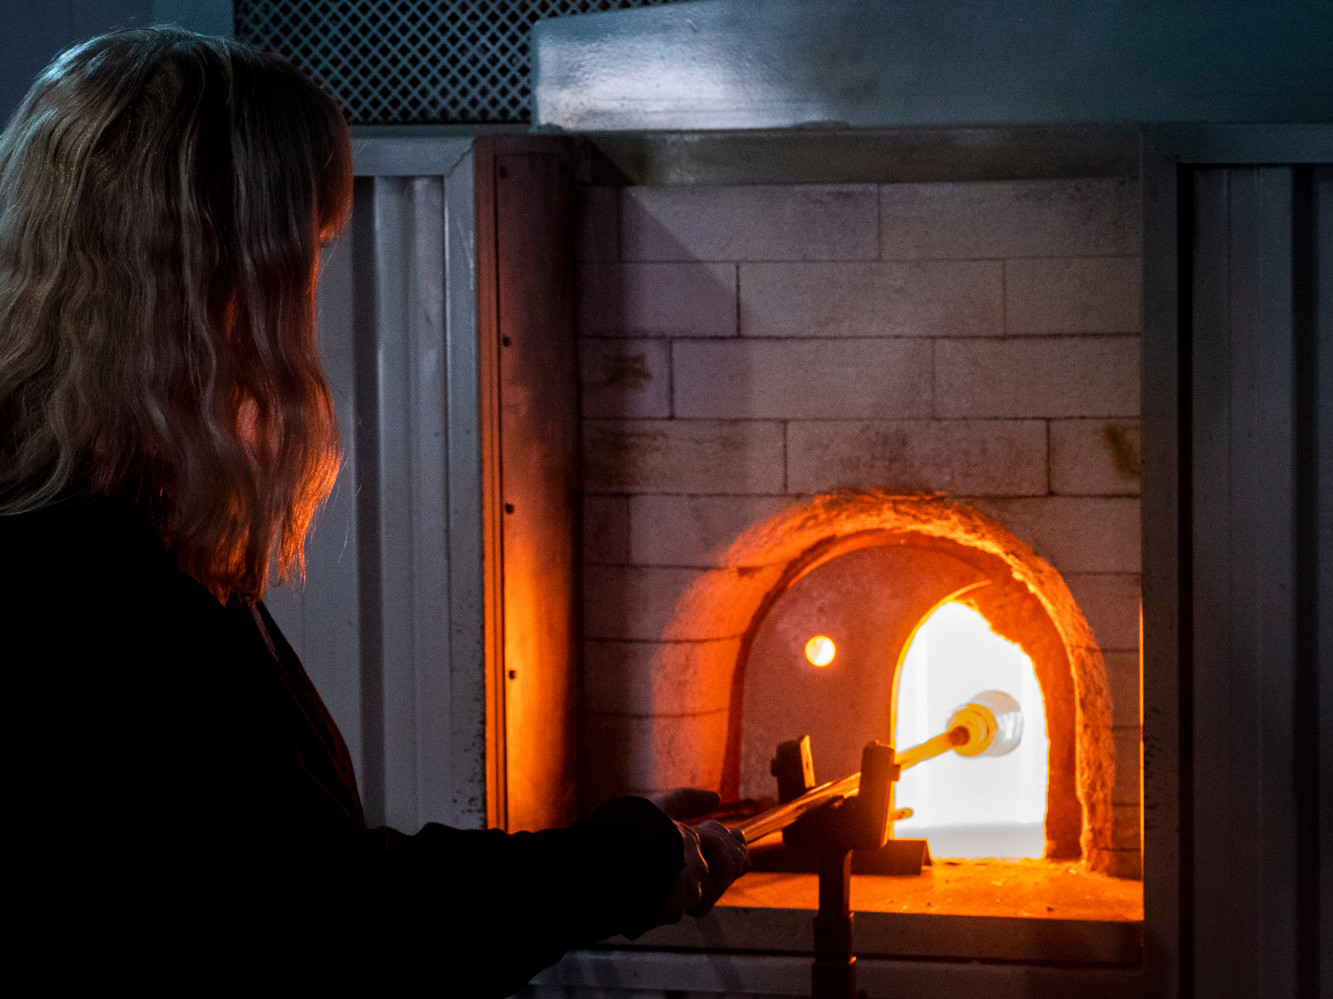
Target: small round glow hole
820, 650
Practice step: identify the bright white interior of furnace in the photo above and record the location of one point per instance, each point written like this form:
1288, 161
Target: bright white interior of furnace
970, 807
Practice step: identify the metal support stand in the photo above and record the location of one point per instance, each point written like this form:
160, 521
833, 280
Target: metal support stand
859, 821
834, 973
855, 813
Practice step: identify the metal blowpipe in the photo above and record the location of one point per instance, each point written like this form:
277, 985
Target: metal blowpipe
990, 724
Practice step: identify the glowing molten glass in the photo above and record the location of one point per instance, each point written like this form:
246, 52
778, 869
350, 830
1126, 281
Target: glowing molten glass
820, 650
971, 806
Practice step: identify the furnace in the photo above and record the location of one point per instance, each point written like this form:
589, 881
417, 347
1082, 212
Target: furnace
785, 409
835, 412
925, 566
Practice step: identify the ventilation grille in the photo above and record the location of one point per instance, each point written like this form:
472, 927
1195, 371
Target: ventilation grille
413, 61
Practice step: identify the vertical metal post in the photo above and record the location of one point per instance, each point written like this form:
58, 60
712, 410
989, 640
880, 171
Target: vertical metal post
834, 972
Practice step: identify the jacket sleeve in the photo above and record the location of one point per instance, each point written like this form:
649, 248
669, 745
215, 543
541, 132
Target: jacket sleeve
495, 906
508, 905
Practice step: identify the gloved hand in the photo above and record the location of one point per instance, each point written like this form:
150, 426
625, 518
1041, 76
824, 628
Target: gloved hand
714, 856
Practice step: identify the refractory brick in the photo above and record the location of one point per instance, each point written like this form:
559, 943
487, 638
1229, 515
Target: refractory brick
1072, 376
1095, 457
624, 300
693, 530
606, 529
787, 222
1012, 218
1072, 295
719, 456
624, 754
596, 223
1127, 765
1125, 827
682, 456
627, 602
895, 298
976, 457
1122, 674
801, 379
1074, 533
657, 678
656, 604
1110, 602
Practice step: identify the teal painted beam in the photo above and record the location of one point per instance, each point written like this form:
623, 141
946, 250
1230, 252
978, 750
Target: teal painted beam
210, 17
738, 64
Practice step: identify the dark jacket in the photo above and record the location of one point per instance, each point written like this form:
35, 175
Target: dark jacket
181, 797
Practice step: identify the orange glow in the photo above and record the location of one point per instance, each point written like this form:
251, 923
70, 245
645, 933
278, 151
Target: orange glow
820, 650
1026, 602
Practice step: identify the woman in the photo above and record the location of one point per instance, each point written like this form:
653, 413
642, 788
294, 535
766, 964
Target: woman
165, 436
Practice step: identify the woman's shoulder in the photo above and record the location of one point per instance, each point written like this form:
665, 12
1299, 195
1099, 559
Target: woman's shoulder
88, 530
74, 580
110, 637
66, 551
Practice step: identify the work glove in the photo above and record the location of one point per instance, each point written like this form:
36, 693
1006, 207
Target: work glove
715, 856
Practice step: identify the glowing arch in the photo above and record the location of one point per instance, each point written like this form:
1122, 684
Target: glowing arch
1027, 602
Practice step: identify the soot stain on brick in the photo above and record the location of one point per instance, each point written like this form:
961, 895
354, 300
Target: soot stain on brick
625, 371
615, 457
876, 449
1124, 446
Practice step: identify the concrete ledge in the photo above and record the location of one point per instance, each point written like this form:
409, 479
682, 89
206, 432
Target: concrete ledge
855, 156
620, 974
1042, 913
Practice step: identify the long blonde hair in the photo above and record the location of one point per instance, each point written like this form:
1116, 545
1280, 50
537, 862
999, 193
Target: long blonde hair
163, 196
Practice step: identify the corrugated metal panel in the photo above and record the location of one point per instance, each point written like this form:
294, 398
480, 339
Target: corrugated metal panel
1256, 342
393, 579
1164, 614
1238, 534
1321, 599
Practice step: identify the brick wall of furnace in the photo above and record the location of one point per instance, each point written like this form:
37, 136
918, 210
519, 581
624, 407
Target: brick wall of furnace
745, 347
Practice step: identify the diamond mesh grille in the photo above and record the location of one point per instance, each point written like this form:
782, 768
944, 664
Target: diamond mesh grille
413, 61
